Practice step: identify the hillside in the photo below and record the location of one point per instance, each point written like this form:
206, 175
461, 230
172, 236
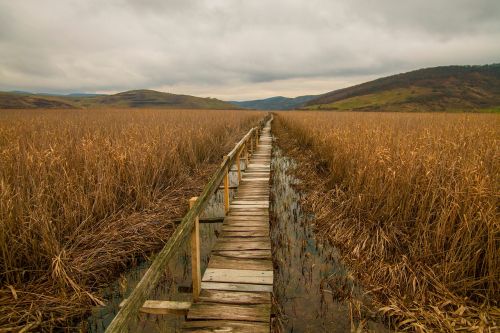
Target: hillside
132, 99
447, 88
275, 103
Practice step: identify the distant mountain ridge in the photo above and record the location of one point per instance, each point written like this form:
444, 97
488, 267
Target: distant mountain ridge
275, 103
445, 88
132, 99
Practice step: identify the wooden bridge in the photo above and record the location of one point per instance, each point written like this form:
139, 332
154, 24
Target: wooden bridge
234, 294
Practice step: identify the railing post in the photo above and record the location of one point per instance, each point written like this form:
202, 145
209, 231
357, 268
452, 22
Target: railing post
238, 163
226, 192
246, 157
195, 254
257, 138
251, 144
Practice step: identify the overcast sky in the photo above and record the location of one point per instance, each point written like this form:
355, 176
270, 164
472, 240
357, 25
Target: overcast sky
235, 49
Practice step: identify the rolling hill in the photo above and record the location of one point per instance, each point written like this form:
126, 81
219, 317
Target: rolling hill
133, 99
275, 103
446, 88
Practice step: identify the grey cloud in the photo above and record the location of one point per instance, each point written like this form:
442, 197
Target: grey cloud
210, 47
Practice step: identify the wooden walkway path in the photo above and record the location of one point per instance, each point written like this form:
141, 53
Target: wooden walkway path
237, 284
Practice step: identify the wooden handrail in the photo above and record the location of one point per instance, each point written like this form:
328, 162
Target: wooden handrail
154, 273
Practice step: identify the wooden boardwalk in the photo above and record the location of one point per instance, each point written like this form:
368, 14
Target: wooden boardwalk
237, 284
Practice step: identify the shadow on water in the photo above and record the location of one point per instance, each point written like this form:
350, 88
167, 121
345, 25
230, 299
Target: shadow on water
175, 285
312, 288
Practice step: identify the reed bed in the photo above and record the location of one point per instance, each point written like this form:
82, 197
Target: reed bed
85, 192
411, 200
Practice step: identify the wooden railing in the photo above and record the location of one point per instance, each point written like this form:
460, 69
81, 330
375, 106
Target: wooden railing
188, 226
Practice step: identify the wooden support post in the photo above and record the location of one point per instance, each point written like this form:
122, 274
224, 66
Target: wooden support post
195, 254
238, 163
251, 144
257, 138
246, 157
226, 192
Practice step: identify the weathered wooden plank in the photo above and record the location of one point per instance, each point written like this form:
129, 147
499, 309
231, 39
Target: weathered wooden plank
238, 276
249, 205
236, 263
210, 311
242, 246
247, 223
235, 297
251, 217
163, 307
250, 254
245, 234
206, 326
226, 239
249, 213
236, 286
245, 228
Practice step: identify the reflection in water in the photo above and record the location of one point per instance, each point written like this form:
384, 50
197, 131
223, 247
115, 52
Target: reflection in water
312, 287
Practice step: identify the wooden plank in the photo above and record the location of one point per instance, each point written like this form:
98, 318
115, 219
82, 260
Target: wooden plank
245, 218
249, 213
209, 326
249, 254
244, 234
236, 286
247, 223
242, 246
235, 297
236, 263
250, 202
225, 239
211, 311
238, 276
245, 228
163, 307
248, 206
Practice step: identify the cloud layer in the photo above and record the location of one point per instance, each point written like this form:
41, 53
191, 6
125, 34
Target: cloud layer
235, 49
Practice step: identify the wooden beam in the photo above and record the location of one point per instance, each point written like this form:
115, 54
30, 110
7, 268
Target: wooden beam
195, 255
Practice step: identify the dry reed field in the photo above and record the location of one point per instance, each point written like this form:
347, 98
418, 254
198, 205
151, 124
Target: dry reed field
411, 200
84, 192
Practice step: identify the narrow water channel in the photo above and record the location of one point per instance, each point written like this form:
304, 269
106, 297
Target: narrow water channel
312, 287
